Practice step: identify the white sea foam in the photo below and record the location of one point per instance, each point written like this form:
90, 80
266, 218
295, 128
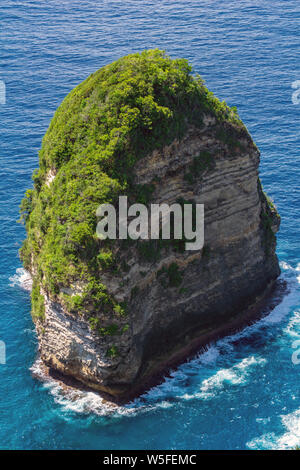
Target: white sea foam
287, 441
291, 438
87, 402
234, 375
285, 266
266, 441
21, 279
293, 326
210, 355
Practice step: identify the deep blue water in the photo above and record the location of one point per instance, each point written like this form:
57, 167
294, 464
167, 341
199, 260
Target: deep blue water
242, 393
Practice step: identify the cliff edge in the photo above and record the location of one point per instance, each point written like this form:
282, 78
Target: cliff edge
113, 313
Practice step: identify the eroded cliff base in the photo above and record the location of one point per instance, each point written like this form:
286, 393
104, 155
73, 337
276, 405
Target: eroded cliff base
262, 307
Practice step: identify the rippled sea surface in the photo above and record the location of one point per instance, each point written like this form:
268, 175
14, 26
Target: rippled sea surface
244, 391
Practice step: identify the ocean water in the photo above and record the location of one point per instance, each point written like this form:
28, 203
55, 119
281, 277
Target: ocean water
243, 392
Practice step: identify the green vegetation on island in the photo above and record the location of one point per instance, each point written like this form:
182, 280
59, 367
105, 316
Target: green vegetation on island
115, 117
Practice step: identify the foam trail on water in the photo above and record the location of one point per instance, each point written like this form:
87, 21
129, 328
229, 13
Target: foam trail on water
234, 375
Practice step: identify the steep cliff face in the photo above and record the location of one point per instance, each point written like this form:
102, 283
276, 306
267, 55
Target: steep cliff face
126, 309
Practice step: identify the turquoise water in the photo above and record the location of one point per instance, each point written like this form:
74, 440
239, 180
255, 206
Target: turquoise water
244, 391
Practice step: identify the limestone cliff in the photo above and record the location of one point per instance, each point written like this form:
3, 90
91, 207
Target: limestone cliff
135, 307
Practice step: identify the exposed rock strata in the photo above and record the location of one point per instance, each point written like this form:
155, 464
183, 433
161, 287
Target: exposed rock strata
236, 267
